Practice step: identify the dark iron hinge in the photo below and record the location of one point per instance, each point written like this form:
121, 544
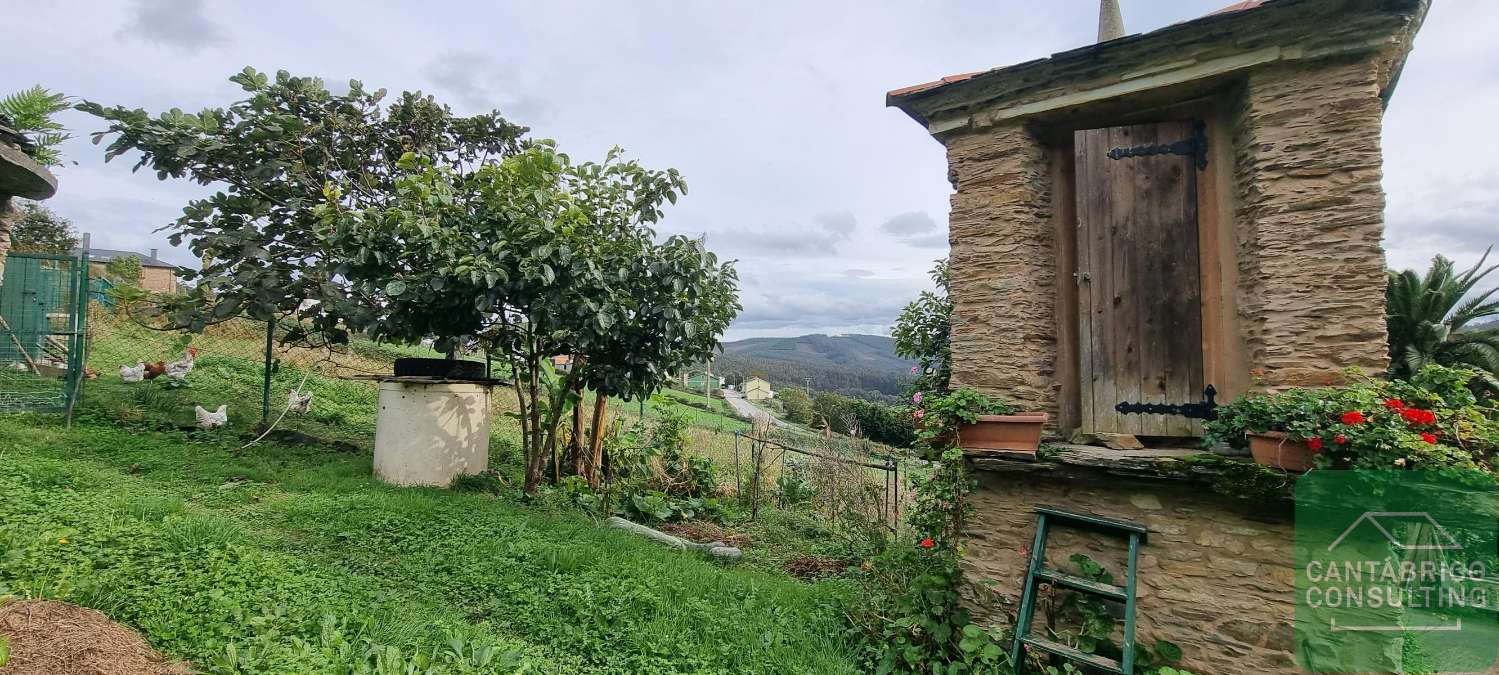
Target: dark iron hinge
1194, 146
1206, 409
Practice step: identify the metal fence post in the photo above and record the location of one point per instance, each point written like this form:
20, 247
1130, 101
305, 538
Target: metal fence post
77, 360
265, 386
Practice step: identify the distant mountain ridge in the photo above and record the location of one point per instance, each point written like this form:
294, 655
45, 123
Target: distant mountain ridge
855, 365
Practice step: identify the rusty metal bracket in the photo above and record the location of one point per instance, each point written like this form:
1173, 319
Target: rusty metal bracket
1194, 146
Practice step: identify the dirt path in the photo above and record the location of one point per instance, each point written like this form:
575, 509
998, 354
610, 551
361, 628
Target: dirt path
747, 409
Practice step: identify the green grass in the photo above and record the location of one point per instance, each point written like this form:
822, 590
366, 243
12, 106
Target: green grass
292, 559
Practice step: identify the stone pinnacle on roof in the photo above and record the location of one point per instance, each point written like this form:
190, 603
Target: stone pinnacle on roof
1110, 20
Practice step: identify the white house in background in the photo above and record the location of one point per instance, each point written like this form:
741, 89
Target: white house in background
756, 389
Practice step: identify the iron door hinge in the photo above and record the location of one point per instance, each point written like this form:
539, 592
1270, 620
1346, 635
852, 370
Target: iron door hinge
1206, 409
1194, 146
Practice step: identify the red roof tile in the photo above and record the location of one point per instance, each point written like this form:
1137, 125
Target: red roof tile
1239, 7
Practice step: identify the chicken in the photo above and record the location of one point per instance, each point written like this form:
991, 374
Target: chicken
135, 374
179, 369
298, 403
211, 420
154, 370
90, 373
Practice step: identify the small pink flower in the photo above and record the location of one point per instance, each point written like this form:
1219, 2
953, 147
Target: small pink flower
919, 413
916, 398
915, 370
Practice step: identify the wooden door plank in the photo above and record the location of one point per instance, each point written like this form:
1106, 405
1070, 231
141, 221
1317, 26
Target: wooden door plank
1081, 173
1189, 344
1124, 298
1100, 282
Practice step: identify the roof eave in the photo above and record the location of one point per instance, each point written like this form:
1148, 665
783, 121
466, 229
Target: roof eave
909, 99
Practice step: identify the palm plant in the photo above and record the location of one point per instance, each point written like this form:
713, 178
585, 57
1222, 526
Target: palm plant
1427, 316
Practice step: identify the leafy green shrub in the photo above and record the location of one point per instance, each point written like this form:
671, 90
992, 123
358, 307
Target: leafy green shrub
792, 487
1433, 420
884, 423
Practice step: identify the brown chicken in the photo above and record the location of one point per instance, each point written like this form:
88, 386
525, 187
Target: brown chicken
154, 370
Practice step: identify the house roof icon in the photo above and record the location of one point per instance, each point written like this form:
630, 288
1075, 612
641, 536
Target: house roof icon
1440, 534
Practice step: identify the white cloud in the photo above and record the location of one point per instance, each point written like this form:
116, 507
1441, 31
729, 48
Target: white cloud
772, 110
909, 223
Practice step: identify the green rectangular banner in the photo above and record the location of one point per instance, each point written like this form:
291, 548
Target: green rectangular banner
1395, 571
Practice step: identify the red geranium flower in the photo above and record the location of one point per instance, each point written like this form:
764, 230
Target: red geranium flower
1429, 438
1314, 443
1395, 404
1340, 439
1353, 417
1418, 416
927, 543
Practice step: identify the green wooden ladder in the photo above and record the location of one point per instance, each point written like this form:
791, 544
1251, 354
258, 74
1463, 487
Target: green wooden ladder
1037, 573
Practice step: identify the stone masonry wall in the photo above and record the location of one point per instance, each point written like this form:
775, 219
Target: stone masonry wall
1213, 578
1003, 260
1310, 218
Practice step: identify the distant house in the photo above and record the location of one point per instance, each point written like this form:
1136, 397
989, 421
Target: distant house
156, 274
756, 389
563, 362
699, 380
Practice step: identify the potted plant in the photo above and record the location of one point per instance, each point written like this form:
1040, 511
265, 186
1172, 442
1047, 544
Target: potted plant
977, 422
1432, 420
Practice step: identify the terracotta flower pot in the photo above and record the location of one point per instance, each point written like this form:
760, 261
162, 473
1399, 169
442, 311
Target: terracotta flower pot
1020, 432
1274, 448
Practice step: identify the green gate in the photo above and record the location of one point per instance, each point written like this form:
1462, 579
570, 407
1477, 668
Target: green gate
43, 312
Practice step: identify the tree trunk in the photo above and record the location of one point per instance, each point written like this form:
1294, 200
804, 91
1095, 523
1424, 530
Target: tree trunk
535, 459
575, 447
596, 440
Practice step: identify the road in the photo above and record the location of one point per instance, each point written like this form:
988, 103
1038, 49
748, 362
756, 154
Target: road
747, 409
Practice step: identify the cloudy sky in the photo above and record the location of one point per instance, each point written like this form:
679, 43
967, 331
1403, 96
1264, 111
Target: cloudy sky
834, 205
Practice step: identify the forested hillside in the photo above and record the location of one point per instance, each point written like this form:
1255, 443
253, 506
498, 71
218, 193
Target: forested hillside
864, 366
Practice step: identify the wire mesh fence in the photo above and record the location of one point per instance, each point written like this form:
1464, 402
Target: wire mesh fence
840, 478
41, 324
141, 372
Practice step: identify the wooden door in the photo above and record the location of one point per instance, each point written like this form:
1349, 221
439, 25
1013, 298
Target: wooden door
1139, 292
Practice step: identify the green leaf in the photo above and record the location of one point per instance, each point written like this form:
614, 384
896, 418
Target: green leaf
1168, 650
395, 288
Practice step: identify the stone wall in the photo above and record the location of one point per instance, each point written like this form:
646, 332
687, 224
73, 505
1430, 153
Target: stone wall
1310, 218
1003, 260
1216, 576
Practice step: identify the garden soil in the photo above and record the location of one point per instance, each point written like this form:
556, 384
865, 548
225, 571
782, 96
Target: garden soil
56, 638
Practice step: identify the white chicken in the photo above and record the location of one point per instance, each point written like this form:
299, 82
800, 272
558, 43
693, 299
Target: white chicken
211, 420
298, 403
133, 374
179, 369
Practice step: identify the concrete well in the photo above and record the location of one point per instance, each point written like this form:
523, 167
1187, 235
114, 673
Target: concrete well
430, 431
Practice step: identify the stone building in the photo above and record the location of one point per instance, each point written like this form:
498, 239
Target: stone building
1082, 279
156, 274
1135, 221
